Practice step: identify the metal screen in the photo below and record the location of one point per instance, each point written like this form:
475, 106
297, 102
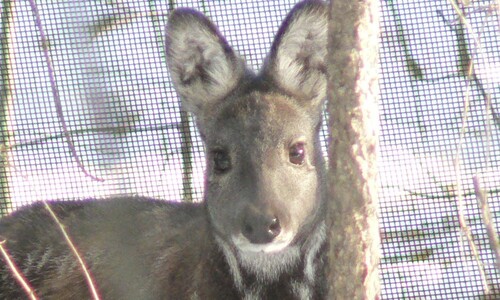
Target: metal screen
87, 110
440, 130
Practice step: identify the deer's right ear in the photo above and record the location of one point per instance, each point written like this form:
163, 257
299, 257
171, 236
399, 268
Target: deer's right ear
202, 65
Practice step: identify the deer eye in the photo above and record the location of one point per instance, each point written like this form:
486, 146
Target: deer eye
297, 153
221, 161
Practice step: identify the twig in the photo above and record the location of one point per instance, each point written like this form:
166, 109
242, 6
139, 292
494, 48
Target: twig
184, 125
55, 92
459, 27
482, 202
112, 21
412, 65
81, 132
70, 243
17, 273
468, 69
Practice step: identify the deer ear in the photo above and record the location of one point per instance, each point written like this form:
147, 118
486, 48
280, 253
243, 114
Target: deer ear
202, 65
297, 59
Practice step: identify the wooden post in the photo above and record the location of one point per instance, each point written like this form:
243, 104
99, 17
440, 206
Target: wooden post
353, 180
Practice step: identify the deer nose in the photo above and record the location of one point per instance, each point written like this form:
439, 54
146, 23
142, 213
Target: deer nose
260, 228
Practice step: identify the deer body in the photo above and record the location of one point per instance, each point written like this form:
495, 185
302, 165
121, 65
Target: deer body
260, 231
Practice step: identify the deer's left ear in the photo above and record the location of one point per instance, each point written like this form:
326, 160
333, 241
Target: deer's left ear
297, 62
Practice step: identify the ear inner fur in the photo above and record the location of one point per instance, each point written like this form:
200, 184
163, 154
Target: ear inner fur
297, 62
203, 67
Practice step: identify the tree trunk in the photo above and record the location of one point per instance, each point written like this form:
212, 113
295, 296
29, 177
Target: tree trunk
353, 108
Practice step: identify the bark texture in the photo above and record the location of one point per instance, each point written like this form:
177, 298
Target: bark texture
353, 181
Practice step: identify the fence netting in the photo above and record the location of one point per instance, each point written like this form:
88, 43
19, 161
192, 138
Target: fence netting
87, 110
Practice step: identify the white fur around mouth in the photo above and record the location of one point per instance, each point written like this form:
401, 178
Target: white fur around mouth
280, 243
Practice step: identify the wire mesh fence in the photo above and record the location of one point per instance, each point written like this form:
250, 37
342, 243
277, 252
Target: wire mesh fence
88, 110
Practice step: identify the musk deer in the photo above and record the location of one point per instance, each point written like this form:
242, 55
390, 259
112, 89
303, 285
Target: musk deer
260, 231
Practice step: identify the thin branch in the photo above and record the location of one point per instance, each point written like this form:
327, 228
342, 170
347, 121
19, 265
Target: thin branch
6, 18
464, 56
5, 201
482, 202
490, 9
184, 127
80, 132
55, 92
447, 196
187, 158
18, 275
416, 72
457, 161
112, 21
123, 15
497, 8
88, 276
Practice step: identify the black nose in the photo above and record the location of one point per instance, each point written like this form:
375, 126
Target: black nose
260, 228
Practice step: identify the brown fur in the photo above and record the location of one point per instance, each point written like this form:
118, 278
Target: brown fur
260, 232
